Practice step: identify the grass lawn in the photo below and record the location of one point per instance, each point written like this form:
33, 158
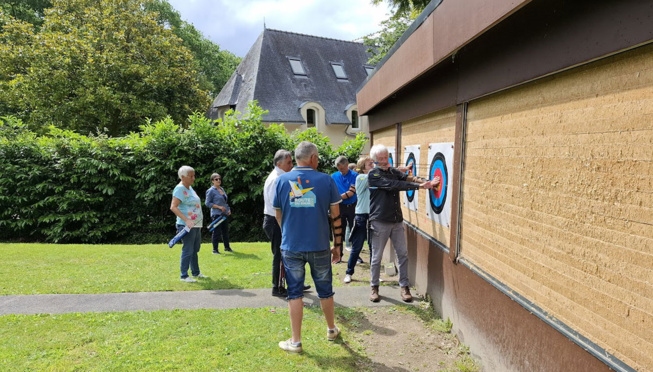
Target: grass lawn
58, 268
197, 340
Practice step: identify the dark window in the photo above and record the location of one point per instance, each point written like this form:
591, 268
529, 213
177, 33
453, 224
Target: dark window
339, 70
297, 66
354, 120
310, 118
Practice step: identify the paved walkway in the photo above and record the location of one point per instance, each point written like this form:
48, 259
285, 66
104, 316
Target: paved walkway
349, 296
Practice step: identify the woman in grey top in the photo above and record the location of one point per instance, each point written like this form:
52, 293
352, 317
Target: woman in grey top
217, 200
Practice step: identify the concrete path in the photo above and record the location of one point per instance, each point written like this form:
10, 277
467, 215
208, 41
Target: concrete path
207, 299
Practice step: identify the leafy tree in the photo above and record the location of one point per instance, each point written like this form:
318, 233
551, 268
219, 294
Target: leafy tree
97, 64
30, 11
214, 66
403, 7
380, 43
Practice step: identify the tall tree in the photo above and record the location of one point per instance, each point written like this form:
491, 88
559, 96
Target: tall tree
404, 7
30, 11
97, 64
381, 42
215, 66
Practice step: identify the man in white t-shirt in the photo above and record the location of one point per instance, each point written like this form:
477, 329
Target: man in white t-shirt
282, 164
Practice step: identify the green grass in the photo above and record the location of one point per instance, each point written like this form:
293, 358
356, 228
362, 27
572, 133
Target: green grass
201, 340
57, 268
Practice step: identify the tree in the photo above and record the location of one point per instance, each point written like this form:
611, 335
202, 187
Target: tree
380, 43
30, 11
404, 7
214, 66
97, 64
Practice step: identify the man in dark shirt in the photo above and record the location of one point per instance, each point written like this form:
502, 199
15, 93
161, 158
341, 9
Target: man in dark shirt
386, 219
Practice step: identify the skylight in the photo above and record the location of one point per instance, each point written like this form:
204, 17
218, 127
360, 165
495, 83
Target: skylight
297, 66
369, 70
339, 70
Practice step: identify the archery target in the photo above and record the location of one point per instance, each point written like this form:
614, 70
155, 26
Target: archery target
412, 169
438, 169
411, 161
391, 156
439, 200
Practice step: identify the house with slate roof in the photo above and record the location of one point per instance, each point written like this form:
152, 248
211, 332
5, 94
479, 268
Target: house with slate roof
303, 81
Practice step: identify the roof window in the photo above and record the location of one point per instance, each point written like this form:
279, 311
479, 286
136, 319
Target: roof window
369, 70
339, 70
297, 66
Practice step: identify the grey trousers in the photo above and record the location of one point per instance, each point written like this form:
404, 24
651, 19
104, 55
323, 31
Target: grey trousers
381, 232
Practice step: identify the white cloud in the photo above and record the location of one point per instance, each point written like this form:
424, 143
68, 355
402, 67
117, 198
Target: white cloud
235, 25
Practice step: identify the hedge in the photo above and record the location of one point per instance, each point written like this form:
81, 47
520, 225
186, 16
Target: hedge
69, 188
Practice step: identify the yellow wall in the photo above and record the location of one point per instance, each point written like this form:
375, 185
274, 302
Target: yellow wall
438, 127
558, 198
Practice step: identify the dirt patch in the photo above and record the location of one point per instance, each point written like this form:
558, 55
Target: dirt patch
400, 338
405, 338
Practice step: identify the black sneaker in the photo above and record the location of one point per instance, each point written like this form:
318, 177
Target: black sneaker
228, 250
216, 252
307, 287
279, 292
360, 260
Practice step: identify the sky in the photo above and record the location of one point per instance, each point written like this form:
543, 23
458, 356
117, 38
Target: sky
235, 24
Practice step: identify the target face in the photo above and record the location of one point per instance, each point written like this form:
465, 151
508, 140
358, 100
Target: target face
412, 170
438, 169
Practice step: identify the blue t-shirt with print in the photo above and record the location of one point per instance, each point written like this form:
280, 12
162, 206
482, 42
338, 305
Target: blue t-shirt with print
190, 205
304, 196
343, 183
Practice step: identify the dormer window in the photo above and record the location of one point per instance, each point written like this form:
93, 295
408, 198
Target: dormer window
297, 67
339, 70
369, 70
310, 118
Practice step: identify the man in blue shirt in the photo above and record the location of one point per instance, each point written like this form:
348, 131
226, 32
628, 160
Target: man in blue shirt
346, 181
303, 200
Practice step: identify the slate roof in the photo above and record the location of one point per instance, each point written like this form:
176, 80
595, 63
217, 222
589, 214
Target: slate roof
265, 75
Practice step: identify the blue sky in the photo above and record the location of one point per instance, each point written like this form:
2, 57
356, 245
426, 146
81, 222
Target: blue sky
235, 25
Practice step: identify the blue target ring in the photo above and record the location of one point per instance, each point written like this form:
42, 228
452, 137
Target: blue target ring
438, 168
412, 165
390, 160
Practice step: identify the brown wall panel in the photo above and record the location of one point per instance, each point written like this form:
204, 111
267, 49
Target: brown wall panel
501, 333
558, 198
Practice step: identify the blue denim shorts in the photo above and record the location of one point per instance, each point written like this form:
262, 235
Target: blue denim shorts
320, 264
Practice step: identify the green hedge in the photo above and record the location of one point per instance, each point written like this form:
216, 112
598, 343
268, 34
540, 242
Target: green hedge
65, 187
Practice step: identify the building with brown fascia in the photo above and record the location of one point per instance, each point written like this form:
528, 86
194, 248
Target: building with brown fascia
545, 261
302, 81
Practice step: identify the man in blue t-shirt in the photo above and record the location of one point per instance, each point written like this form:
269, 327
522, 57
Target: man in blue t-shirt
346, 181
303, 200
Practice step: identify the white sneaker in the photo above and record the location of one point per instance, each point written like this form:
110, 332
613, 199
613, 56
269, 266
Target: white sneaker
201, 276
347, 278
289, 346
348, 248
332, 334
188, 279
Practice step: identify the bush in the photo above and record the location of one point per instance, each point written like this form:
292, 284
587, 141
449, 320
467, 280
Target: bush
66, 187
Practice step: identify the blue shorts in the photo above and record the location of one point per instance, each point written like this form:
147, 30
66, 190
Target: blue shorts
320, 263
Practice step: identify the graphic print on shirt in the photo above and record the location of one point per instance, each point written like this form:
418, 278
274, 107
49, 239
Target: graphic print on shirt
301, 197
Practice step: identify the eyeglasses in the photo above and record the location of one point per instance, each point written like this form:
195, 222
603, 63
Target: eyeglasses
217, 179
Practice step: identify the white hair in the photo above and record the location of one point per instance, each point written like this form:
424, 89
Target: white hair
304, 151
377, 150
184, 170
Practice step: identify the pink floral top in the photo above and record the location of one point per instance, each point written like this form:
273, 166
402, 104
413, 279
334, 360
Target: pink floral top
190, 205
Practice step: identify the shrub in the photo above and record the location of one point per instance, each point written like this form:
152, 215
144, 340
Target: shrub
66, 187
